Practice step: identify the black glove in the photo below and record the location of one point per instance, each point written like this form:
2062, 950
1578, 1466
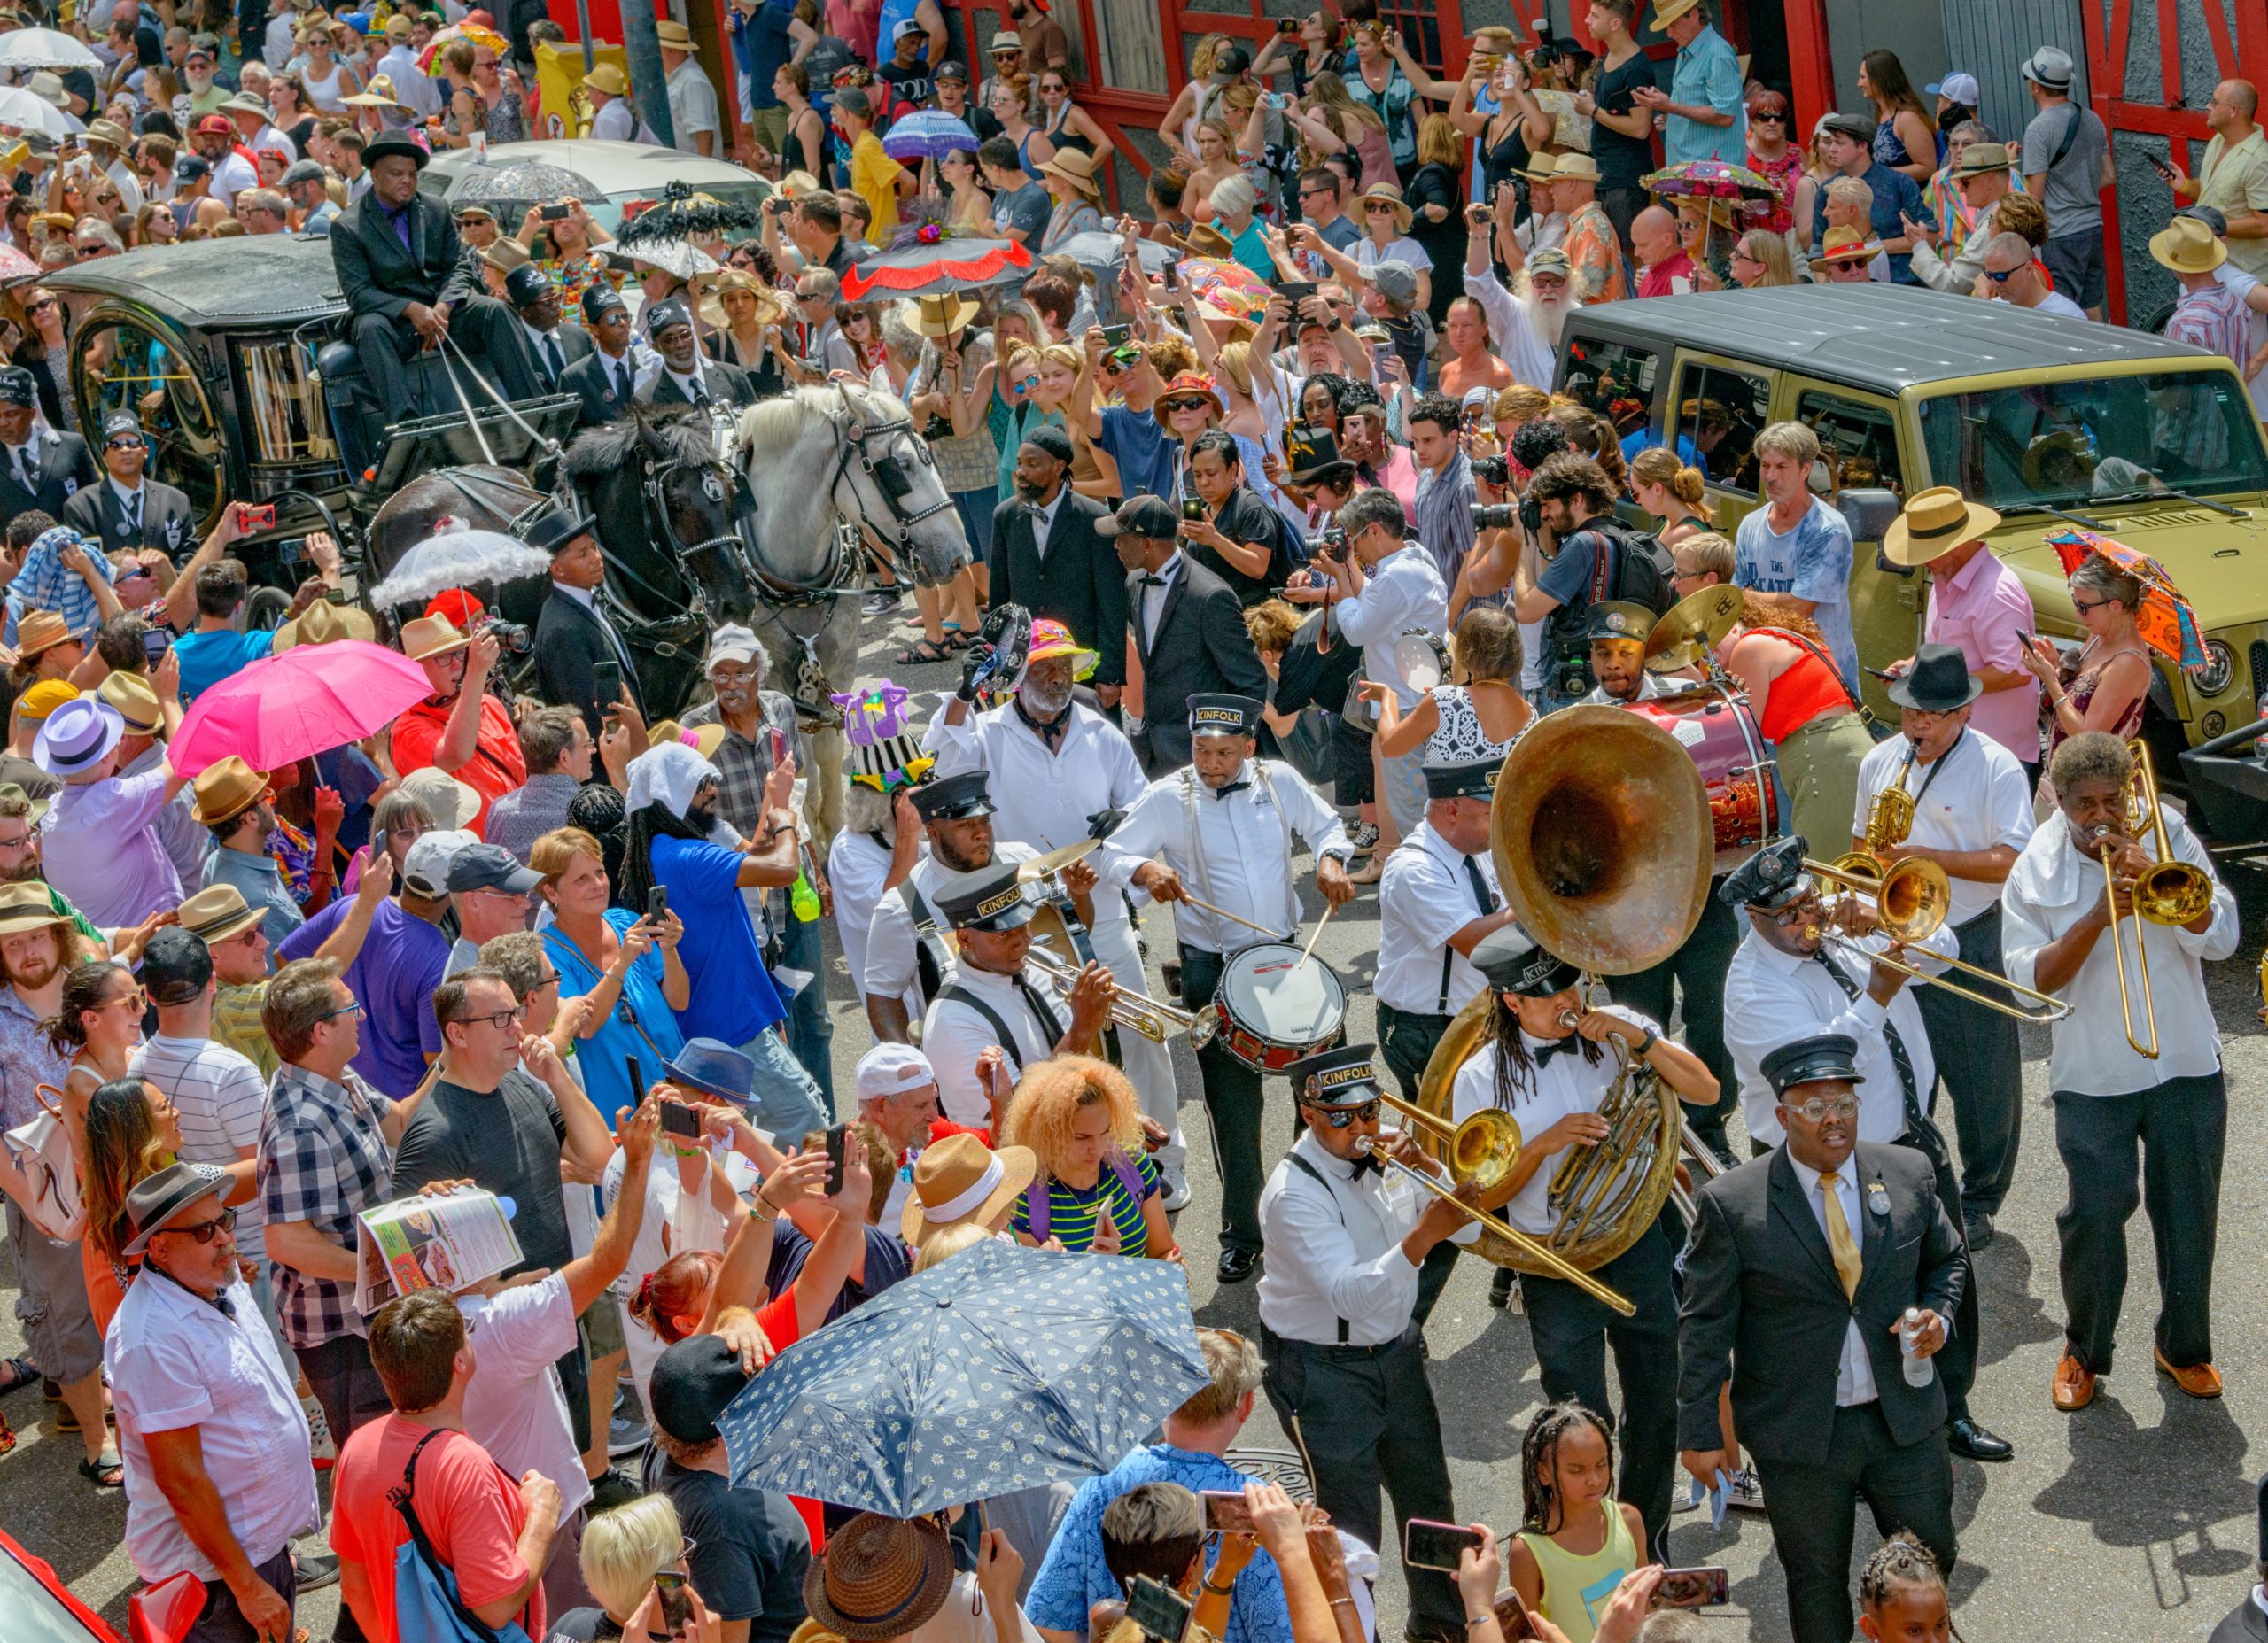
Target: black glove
975, 660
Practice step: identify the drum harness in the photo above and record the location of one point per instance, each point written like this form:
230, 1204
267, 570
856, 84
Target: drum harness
1265, 787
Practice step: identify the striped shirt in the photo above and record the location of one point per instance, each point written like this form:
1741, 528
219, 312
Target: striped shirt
1444, 515
2214, 318
221, 1097
1072, 1210
237, 1023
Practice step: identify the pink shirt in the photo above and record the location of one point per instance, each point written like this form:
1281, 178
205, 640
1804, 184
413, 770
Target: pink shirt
1980, 609
1399, 474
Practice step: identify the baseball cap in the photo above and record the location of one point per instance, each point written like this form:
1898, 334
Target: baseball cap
893, 1069
733, 643
1955, 87
175, 966
1147, 516
425, 870
693, 1382
482, 866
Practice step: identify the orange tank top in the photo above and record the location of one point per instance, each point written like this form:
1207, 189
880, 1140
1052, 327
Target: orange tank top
1808, 688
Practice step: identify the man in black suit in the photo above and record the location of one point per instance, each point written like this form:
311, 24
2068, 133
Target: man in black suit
1049, 556
125, 508
1188, 628
605, 377
572, 635
552, 347
1801, 1267
688, 376
38, 469
2248, 1622
407, 281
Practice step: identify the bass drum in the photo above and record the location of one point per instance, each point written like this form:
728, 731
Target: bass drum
1737, 767
1272, 1007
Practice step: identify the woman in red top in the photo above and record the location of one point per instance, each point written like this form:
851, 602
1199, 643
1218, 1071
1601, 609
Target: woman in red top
460, 728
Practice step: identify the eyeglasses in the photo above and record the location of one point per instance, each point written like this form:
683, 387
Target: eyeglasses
501, 1020
470, 222
17, 843
1173, 405
352, 1009
2083, 606
553, 980
205, 1231
1339, 1117
1815, 1111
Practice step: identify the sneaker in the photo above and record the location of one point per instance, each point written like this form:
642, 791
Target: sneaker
319, 1438
627, 1435
1177, 1195
1364, 836
612, 1488
880, 602
1747, 1492
312, 1571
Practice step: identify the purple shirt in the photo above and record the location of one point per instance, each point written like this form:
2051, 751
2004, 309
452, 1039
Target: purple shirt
102, 851
1980, 608
395, 975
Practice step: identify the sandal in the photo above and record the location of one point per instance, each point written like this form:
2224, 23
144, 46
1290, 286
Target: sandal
107, 1473
920, 654
16, 1374
7, 1435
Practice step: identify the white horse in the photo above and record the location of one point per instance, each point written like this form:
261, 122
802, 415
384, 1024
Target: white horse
836, 470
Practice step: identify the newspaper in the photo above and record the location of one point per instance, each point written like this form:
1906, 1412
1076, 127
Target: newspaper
446, 1242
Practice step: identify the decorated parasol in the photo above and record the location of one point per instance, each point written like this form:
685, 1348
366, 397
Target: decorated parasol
45, 48
510, 189
1708, 179
2165, 621
683, 212
1228, 286
928, 133
21, 110
15, 266
429, 59
933, 263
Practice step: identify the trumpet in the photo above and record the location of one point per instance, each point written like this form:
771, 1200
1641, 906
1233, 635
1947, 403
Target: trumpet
1911, 899
2168, 892
1135, 1011
1492, 1134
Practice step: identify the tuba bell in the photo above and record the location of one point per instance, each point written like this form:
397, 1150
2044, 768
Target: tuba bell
1603, 845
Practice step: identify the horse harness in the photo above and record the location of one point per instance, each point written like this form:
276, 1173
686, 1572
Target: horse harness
853, 434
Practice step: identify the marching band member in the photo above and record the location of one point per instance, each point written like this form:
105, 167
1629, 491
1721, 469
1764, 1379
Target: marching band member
1972, 814
994, 998
1223, 826
905, 955
880, 842
1617, 629
1346, 1239
2109, 1098
1548, 1059
1802, 1266
1055, 762
1784, 984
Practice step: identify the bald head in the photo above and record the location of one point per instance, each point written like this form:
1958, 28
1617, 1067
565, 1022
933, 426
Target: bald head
2004, 251
1653, 236
2235, 104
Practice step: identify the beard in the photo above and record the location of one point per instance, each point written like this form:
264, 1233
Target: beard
36, 973
702, 817
1029, 494
1547, 319
1043, 703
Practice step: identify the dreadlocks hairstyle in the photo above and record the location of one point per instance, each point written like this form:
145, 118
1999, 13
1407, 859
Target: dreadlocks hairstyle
1540, 1503
1900, 1561
1515, 1067
647, 823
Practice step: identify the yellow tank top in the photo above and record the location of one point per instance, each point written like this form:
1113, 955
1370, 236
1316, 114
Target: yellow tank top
1575, 1589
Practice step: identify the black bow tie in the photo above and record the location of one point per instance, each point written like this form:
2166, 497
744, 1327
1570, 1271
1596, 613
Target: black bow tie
1366, 1164
1150, 581
1226, 788
1566, 1046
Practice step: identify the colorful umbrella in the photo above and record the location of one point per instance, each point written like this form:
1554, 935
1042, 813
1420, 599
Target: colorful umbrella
1708, 179
429, 59
308, 700
2165, 621
928, 133
1227, 285
936, 267
15, 266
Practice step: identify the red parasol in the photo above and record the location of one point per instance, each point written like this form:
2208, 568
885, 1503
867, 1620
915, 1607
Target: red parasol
934, 268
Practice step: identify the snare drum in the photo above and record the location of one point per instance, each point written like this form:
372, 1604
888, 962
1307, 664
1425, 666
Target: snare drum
1715, 725
1271, 1009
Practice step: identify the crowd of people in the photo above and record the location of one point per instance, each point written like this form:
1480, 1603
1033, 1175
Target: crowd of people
1246, 587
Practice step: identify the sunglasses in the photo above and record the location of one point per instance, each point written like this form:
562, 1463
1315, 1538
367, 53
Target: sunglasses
2004, 277
205, 1231
1378, 208
1762, 115
123, 445
49, 302
1173, 405
1339, 1117
1025, 384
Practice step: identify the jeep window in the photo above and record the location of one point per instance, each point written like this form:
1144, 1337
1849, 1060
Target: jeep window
2059, 443
1719, 413
1858, 440
1615, 379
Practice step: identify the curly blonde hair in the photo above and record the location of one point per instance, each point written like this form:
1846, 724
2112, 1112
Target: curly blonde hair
1048, 1100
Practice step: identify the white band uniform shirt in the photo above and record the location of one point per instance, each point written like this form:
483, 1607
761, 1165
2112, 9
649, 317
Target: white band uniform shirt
1854, 1371
1773, 998
1425, 897
1976, 798
1405, 592
1565, 1083
857, 863
2056, 884
1240, 839
953, 1036
892, 971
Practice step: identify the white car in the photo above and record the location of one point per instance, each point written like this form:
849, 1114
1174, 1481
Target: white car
621, 171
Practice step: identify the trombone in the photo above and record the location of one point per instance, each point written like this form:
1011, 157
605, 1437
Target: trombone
1153, 1020
1910, 900
1483, 1149
2168, 892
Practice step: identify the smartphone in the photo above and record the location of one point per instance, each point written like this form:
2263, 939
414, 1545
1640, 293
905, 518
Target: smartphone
1693, 1588
606, 681
1426, 1545
1115, 335
1161, 1612
679, 1119
677, 1602
1227, 1512
2025, 637
657, 903
837, 1134
556, 214
637, 1080
1295, 291
255, 516
1511, 1617
1193, 507
155, 646
2159, 165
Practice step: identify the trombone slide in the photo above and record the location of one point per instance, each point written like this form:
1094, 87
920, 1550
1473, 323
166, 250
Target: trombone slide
1153, 1020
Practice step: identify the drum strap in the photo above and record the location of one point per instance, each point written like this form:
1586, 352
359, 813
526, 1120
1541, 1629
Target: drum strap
1316, 1175
1262, 784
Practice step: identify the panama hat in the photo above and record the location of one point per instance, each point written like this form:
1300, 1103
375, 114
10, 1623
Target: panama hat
159, 1200
27, 906
450, 803
135, 702
768, 306
939, 317
607, 78
379, 94
1077, 167
39, 630
228, 788
218, 913
672, 35
1843, 245
960, 1179
1934, 523
881, 1578
1667, 12
2187, 246
1389, 192
325, 623
424, 638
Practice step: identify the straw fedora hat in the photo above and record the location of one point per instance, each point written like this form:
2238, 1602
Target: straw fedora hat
2187, 246
27, 906
1541, 168
672, 35
768, 306
218, 913
324, 623
39, 630
1843, 245
450, 803
227, 789
703, 739
135, 702
1573, 167
939, 317
1204, 240
1667, 12
1935, 522
1077, 167
960, 1179
1389, 192
881, 1577
426, 637
378, 94
607, 78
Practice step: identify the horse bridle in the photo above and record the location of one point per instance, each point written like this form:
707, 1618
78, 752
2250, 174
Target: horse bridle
658, 525
854, 433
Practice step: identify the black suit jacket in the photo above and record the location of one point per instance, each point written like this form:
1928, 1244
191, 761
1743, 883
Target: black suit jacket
569, 644
587, 377
1080, 583
1760, 1289
2244, 1624
378, 275
1201, 645
575, 345
64, 466
727, 382
167, 522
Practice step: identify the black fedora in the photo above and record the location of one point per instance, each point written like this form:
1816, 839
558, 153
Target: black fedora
1939, 682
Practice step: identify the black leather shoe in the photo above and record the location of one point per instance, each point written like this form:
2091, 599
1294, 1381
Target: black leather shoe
1978, 1226
1964, 1437
1237, 1264
1500, 1288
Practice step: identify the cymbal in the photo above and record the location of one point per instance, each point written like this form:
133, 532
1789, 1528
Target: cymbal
1694, 626
1054, 861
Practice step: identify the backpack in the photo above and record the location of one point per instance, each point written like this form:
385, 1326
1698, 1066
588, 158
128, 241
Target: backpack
1643, 569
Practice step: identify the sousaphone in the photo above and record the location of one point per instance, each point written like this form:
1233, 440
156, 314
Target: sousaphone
1604, 846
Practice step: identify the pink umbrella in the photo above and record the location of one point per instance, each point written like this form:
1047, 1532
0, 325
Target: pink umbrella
309, 699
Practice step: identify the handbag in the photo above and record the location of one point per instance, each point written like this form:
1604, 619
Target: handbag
40, 1149
426, 1601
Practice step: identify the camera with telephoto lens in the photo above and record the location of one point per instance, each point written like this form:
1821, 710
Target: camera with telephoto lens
1331, 543
1495, 516
510, 636
1492, 470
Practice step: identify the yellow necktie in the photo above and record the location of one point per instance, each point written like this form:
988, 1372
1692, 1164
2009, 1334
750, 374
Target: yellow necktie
1838, 1234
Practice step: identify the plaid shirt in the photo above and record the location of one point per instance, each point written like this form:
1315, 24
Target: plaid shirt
322, 1160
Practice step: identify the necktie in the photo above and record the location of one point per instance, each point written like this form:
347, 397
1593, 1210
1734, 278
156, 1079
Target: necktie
1838, 1234
621, 381
1366, 1164
24, 469
552, 357
1483, 897
1916, 1122
1226, 788
1051, 1025
134, 516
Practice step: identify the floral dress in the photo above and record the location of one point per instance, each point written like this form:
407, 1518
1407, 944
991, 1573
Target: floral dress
1458, 738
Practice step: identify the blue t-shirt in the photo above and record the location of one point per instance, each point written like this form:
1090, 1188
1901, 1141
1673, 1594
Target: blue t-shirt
760, 45
641, 1024
1138, 444
208, 658
1642, 439
1811, 562
393, 975
734, 999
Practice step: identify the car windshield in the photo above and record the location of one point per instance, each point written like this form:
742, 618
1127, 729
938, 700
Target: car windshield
2057, 445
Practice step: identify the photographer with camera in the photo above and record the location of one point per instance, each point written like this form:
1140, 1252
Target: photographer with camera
1232, 531
1579, 555
460, 728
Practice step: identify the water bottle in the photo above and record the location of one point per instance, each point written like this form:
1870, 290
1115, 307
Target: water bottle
1919, 1371
803, 899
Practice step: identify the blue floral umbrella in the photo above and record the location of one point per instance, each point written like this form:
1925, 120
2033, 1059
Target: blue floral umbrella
1002, 1369
928, 133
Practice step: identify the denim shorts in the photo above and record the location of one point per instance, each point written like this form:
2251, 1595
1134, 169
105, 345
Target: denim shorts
787, 1101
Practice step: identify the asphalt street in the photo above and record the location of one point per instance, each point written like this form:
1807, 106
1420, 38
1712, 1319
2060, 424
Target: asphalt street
2136, 1515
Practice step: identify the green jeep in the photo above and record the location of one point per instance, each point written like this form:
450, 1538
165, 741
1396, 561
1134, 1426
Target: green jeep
2054, 423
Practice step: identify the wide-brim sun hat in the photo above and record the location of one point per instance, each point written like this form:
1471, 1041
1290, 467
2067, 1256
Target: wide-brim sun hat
1933, 524
961, 1179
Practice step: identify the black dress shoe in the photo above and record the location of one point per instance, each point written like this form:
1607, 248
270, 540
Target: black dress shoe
1978, 1226
1964, 1437
1500, 1288
1237, 1264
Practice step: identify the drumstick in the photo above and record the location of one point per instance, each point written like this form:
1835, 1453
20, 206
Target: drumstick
1223, 912
1329, 908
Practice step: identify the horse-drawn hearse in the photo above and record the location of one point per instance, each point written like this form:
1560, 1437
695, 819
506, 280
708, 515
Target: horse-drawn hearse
233, 354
